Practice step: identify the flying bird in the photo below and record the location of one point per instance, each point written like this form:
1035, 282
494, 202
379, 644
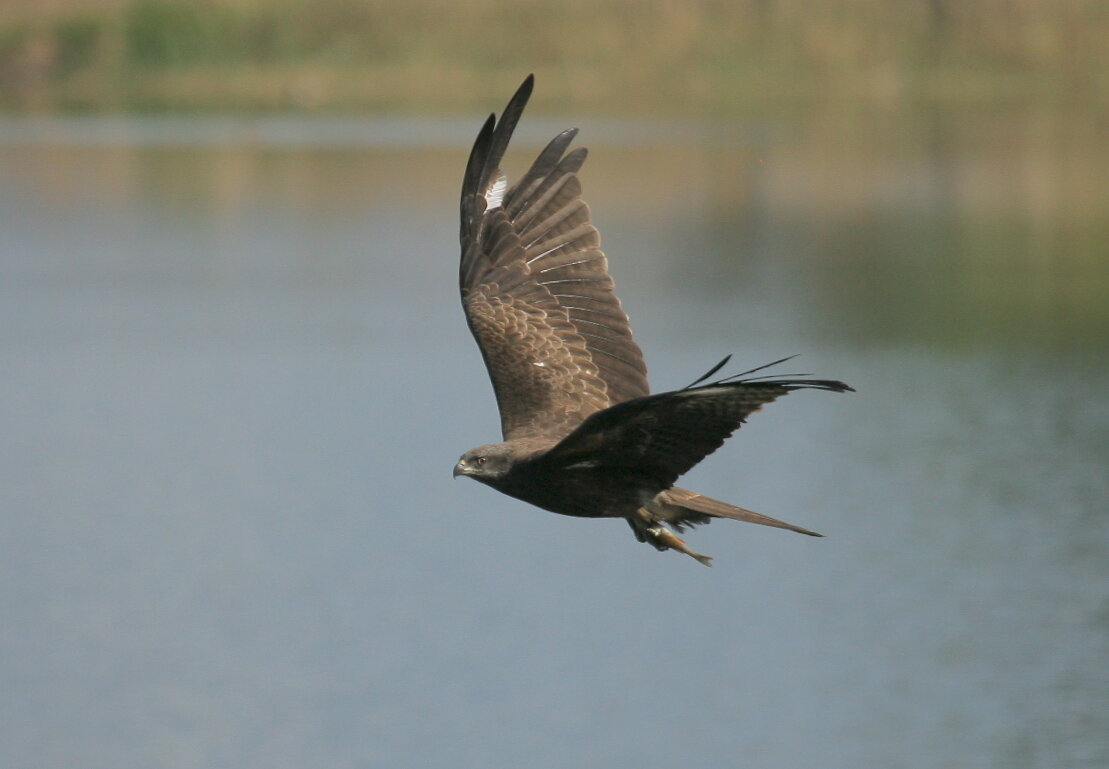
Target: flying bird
583, 435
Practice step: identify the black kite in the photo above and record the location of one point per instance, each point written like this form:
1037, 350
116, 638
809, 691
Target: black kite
583, 436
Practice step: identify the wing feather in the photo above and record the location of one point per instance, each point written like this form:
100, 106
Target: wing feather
524, 190
536, 290
534, 193
660, 437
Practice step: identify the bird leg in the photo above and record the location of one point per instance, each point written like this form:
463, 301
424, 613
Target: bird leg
664, 539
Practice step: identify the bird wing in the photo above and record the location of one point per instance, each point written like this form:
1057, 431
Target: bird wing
536, 289
660, 437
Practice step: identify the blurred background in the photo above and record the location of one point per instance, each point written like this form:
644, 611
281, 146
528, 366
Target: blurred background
235, 378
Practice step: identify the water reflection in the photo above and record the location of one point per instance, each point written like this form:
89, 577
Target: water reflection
236, 377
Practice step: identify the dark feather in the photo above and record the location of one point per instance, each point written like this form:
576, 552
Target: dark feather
708, 374
536, 289
660, 437
682, 508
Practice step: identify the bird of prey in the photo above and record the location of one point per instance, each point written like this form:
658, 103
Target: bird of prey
583, 436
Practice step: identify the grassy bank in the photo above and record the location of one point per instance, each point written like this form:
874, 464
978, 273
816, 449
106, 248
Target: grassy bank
614, 55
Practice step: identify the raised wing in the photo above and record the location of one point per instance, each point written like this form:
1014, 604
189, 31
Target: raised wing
660, 437
536, 290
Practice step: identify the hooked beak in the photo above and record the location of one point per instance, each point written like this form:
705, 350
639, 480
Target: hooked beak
459, 469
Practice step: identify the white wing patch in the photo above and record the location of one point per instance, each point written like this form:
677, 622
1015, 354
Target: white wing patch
704, 392
495, 194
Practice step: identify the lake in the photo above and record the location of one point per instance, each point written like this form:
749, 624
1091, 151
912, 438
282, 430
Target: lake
236, 378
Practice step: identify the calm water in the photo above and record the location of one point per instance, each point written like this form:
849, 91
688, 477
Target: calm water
236, 378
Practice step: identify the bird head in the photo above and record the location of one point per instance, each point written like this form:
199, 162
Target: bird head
485, 463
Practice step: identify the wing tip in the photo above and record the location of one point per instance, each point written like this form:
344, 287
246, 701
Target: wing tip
485, 157
788, 381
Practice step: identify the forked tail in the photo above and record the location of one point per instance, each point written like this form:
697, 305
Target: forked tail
681, 508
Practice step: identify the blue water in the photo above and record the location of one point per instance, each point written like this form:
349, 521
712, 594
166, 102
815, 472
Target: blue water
236, 378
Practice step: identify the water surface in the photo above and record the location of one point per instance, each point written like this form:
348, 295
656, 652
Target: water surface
236, 378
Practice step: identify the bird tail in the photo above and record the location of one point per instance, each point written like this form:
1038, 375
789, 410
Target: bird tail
681, 508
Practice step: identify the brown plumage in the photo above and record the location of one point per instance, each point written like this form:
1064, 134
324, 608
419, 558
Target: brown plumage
583, 436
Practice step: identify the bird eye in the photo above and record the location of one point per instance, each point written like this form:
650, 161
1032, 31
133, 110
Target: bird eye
480, 461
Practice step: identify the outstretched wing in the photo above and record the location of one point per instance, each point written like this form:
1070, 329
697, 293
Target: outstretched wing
660, 437
536, 290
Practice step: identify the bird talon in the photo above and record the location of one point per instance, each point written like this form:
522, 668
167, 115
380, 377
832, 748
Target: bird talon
664, 539
656, 535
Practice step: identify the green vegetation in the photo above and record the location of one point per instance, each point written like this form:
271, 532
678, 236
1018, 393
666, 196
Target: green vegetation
612, 54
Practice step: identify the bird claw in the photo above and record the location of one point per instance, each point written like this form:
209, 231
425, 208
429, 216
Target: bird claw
664, 539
